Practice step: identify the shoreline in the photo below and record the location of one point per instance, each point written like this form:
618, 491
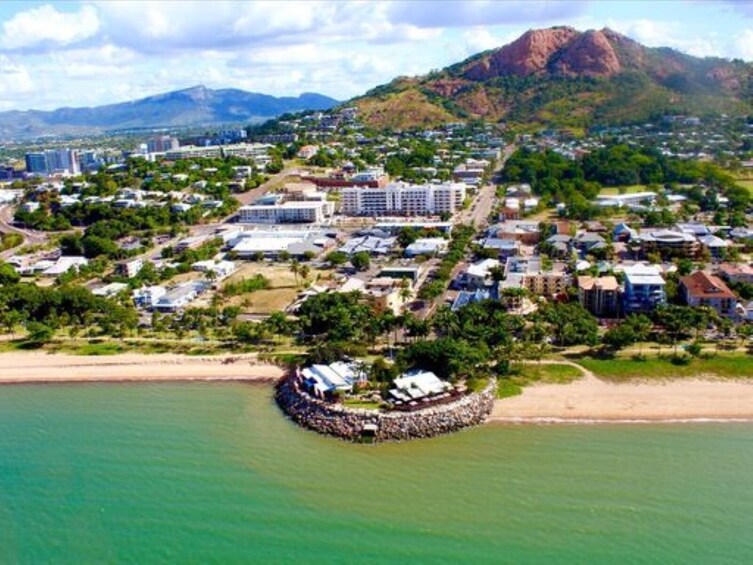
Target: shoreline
45, 368
586, 401
590, 400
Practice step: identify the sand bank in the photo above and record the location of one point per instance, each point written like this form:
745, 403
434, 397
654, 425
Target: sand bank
38, 367
593, 400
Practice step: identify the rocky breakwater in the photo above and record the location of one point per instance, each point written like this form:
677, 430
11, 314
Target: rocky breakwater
356, 424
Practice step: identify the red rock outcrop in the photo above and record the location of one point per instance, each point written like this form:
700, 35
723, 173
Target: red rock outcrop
527, 55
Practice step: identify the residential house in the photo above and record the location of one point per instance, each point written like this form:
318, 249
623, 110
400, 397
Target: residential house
736, 273
701, 289
129, 268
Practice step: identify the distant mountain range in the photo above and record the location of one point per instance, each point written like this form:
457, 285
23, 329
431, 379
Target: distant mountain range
197, 106
564, 78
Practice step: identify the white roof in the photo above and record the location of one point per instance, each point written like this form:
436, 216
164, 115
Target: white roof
336, 376
420, 383
482, 268
643, 274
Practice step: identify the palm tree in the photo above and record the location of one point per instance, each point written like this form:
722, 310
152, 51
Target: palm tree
295, 268
304, 271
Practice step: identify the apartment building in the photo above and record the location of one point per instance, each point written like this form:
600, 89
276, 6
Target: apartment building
403, 199
669, 243
599, 295
529, 274
644, 288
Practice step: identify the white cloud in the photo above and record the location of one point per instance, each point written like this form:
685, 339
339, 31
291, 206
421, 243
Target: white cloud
15, 80
45, 25
743, 45
655, 33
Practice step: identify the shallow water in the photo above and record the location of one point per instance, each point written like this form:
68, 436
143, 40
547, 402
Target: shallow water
213, 472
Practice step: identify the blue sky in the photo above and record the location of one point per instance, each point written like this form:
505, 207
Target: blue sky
55, 54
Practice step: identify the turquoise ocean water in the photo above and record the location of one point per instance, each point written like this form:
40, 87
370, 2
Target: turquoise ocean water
212, 473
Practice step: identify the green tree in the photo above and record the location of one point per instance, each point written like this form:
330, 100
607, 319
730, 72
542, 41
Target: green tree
361, 260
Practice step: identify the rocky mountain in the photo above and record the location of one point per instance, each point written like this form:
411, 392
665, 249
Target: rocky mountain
565, 78
197, 106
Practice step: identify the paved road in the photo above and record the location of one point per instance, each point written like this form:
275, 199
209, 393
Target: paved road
483, 204
6, 226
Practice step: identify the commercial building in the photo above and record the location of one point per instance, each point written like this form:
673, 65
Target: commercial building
321, 380
272, 242
644, 288
700, 289
403, 199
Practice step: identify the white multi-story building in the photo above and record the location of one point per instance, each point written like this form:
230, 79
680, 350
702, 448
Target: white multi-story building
403, 199
286, 213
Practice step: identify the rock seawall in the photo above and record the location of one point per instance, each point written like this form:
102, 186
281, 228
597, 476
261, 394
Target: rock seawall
350, 423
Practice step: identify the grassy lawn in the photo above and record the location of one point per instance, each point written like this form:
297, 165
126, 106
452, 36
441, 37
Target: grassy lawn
283, 289
363, 404
619, 369
747, 184
524, 375
631, 189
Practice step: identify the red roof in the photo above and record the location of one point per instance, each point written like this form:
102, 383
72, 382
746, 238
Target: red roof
701, 285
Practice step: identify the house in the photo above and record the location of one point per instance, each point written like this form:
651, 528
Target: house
736, 273
387, 294
372, 245
221, 269
587, 242
525, 232
715, 245
65, 264
465, 297
110, 290
478, 275
505, 247
701, 289
180, 296
427, 246
599, 295
129, 269
644, 288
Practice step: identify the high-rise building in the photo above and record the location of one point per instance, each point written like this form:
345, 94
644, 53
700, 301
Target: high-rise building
36, 163
161, 144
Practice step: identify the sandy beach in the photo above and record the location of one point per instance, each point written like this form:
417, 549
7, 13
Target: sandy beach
590, 399
38, 367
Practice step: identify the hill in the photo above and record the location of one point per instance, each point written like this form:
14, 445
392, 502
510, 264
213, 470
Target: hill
565, 78
195, 106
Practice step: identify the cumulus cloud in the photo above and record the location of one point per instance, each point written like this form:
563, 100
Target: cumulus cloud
45, 25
